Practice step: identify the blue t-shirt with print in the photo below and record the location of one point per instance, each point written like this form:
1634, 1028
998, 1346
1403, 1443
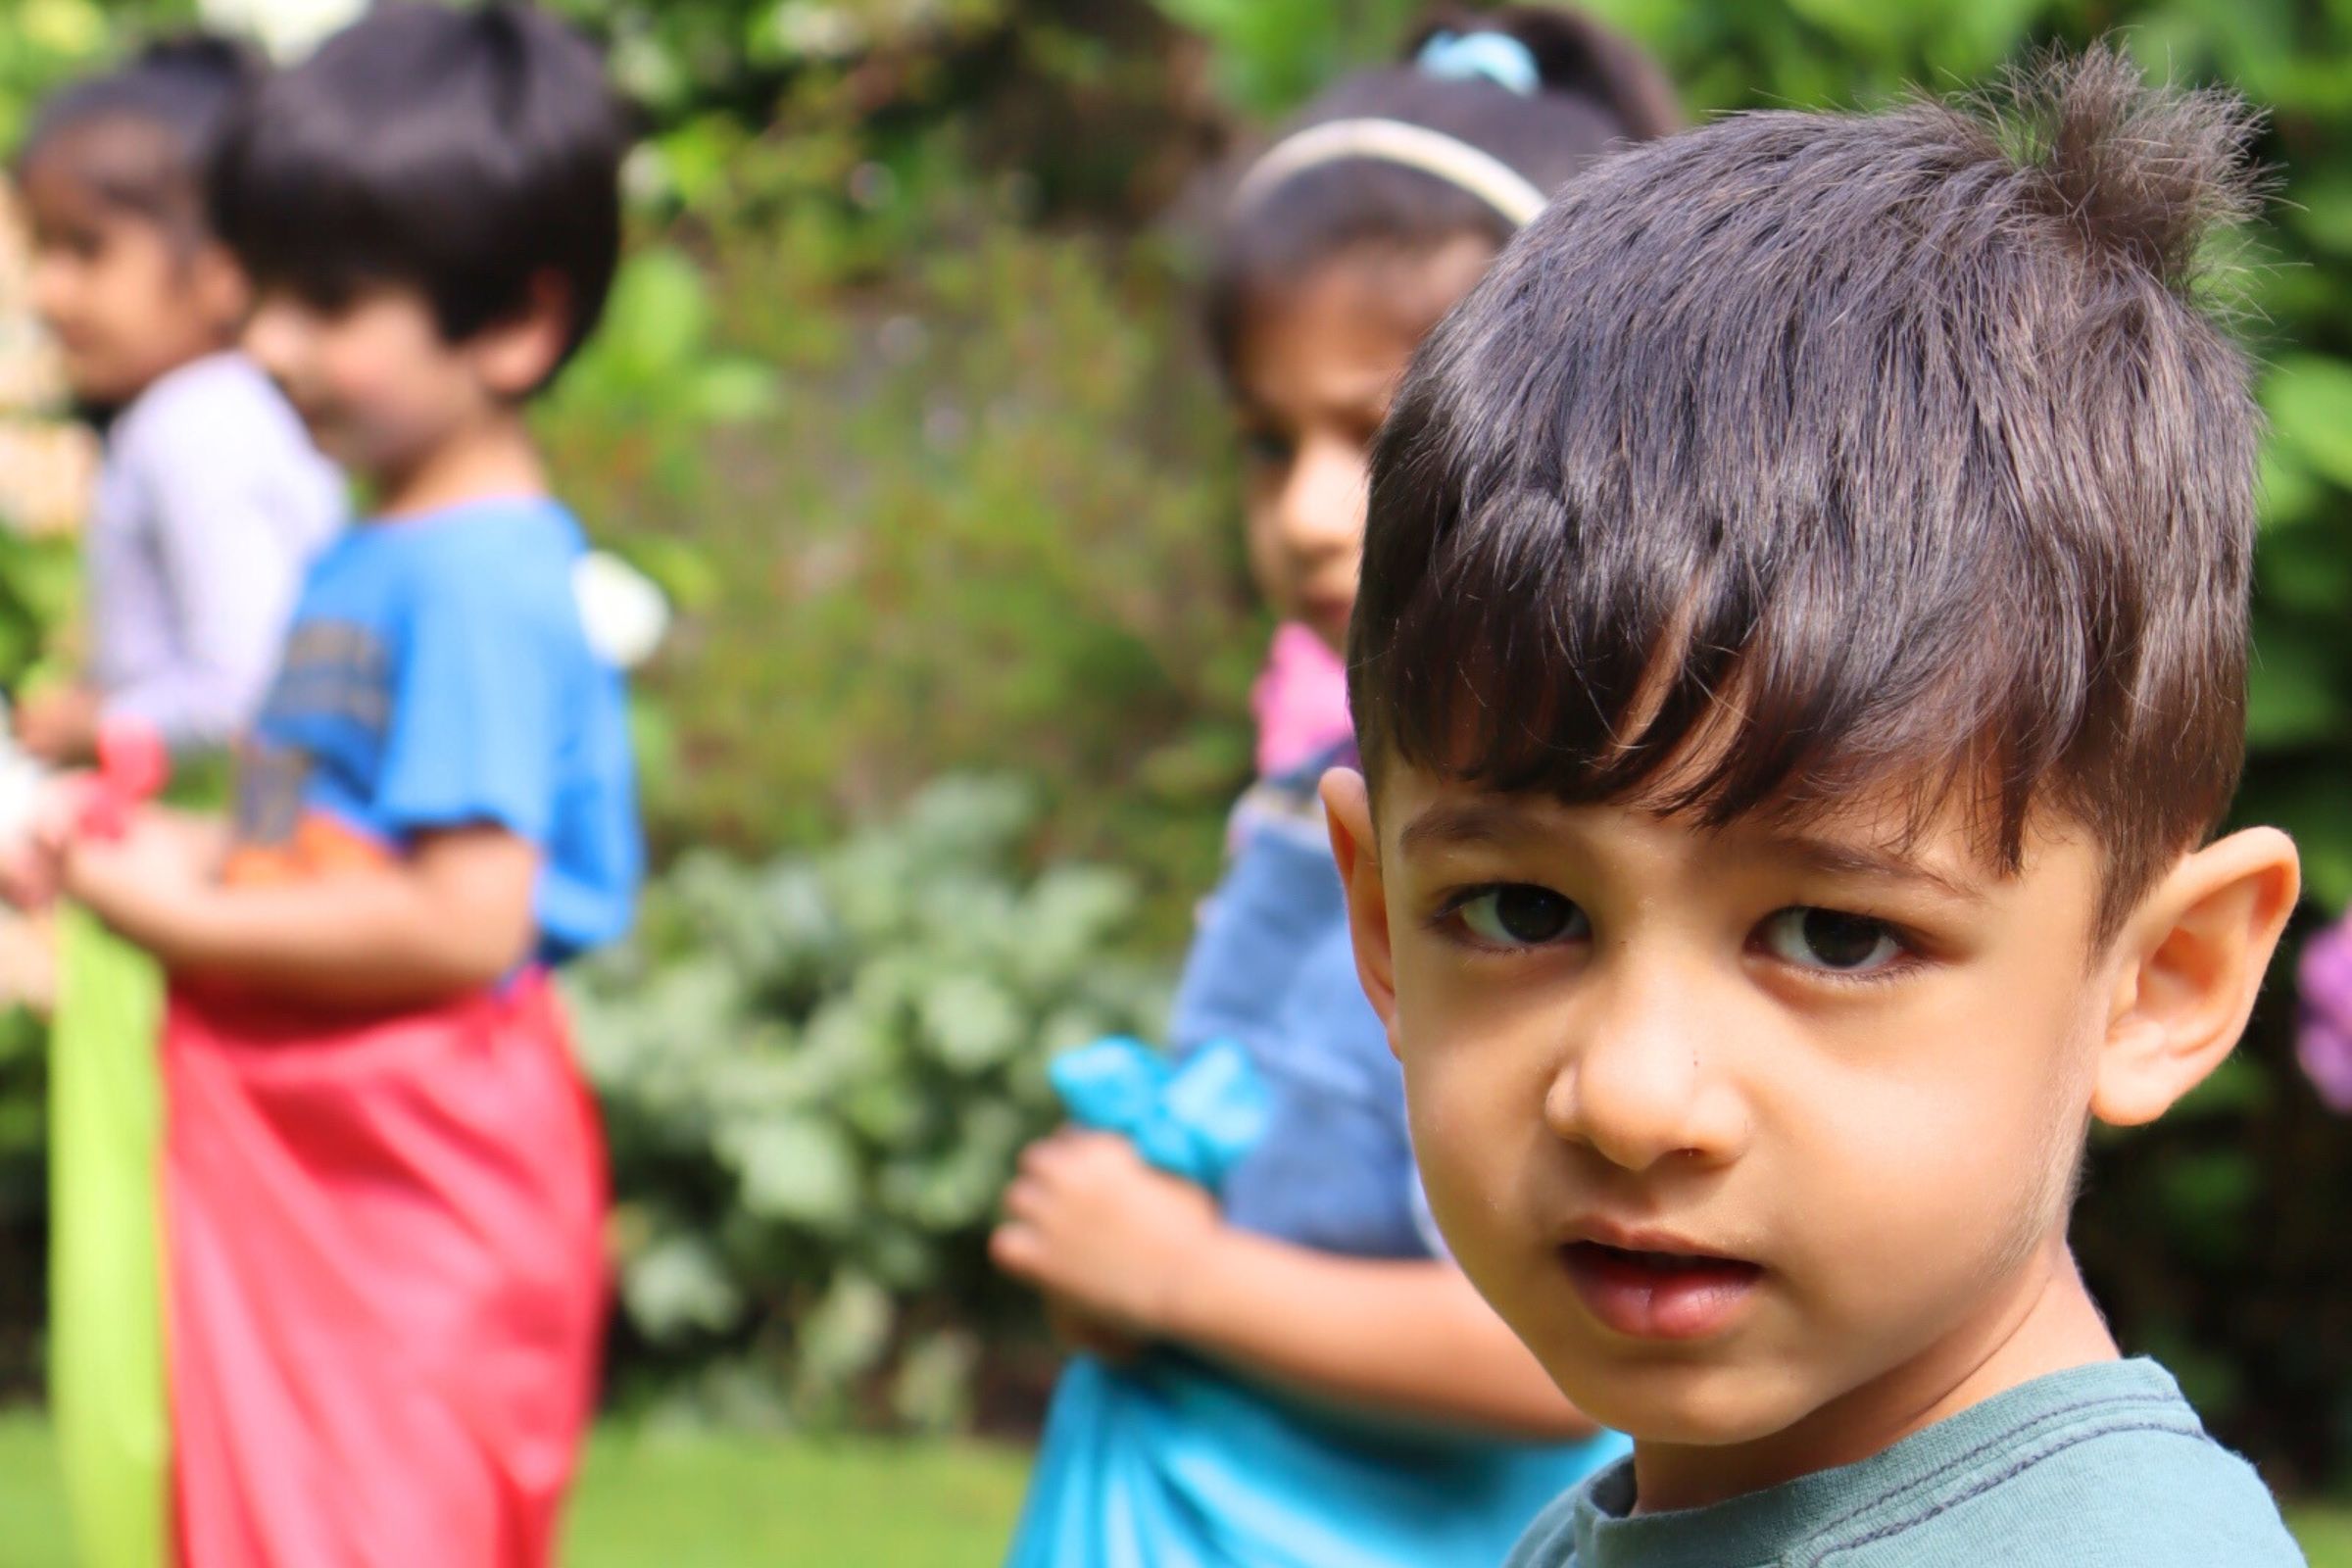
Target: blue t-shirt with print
437, 674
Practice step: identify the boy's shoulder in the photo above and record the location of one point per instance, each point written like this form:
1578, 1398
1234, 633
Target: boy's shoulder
2098, 1467
505, 566
499, 547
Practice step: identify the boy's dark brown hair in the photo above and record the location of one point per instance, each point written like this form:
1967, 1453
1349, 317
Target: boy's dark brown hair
472, 151
1809, 452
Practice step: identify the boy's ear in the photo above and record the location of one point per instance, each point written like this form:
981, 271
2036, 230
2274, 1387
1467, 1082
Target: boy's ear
516, 355
2193, 958
1348, 810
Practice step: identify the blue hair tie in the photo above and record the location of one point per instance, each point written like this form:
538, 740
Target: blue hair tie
1494, 56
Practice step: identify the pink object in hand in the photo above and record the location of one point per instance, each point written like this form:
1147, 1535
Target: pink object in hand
1300, 700
133, 765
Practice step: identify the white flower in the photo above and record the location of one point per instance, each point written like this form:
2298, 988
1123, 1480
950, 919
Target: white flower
623, 613
287, 28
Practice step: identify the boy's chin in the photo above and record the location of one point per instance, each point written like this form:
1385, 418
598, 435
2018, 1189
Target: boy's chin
1693, 1404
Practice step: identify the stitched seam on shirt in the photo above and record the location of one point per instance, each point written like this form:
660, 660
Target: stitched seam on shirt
1996, 1478
1999, 1440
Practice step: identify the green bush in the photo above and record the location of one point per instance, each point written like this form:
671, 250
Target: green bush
816, 1072
988, 521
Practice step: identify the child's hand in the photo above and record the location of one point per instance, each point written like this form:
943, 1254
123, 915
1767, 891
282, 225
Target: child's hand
150, 883
59, 723
1088, 1222
32, 858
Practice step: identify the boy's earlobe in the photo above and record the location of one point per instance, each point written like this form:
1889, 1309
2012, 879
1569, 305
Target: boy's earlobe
2194, 958
1347, 811
517, 355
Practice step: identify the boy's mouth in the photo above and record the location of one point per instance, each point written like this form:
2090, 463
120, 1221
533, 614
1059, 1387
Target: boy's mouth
1661, 1292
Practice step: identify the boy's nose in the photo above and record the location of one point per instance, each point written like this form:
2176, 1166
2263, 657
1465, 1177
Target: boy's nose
1643, 1082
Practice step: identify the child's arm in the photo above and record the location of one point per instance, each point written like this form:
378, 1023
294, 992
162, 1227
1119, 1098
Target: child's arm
1090, 1223
454, 914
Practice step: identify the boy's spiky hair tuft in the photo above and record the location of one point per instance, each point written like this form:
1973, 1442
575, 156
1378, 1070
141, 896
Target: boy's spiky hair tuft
1806, 454
2146, 175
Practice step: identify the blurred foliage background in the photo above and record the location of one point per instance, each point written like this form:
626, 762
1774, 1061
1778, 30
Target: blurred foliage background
900, 401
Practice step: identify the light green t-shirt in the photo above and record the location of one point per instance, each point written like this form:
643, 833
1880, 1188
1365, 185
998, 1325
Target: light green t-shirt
2102, 1466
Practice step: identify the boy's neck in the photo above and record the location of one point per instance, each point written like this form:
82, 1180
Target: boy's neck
494, 459
2045, 1323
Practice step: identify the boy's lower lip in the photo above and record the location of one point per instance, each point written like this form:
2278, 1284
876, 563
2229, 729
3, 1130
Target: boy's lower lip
1658, 1295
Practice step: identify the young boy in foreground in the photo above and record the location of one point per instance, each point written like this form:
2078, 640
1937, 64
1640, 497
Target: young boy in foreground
1799, 670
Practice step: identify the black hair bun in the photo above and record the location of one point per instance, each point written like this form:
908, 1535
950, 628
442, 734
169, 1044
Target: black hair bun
201, 57
1575, 56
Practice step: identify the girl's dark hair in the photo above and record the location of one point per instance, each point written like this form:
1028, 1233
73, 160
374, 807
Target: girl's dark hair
1594, 91
143, 135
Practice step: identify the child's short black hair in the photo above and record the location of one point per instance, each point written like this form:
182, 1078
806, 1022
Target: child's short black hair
468, 153
1591, 90
143, 135
1805, 453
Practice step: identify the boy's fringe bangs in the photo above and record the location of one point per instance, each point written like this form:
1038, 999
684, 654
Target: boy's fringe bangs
1808, 463
1744, 697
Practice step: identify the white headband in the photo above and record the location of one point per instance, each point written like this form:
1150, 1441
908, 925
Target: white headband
1395, 141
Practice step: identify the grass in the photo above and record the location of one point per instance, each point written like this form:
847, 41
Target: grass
708, 1500
684, 1501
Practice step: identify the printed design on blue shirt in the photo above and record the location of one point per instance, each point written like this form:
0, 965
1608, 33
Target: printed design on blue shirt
332, 673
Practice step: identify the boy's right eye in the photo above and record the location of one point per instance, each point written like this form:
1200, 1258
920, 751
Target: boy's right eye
1519, 914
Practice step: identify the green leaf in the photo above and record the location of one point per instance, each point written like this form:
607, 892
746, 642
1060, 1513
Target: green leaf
678, 1285
732, 391
933, 1390
2309, 400
971, 1023
2291, 695
846, 1334
797, 1169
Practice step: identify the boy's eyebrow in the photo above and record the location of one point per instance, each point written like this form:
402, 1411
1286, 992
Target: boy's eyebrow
1456, 823
1841, 857
1463, 822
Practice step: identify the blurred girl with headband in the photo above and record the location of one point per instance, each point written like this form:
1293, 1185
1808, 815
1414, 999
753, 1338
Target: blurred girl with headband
1279, 1364
209, 506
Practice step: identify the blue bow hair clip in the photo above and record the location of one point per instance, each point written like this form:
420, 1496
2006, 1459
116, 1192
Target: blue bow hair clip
1494, 56
1195, 1118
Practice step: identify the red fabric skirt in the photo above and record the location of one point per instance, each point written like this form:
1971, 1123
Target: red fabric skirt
387, 1281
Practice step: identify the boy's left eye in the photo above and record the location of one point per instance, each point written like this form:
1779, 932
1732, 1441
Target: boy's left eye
1831, 940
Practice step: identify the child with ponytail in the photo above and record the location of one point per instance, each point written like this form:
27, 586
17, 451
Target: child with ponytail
209, 506
1284, 1367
